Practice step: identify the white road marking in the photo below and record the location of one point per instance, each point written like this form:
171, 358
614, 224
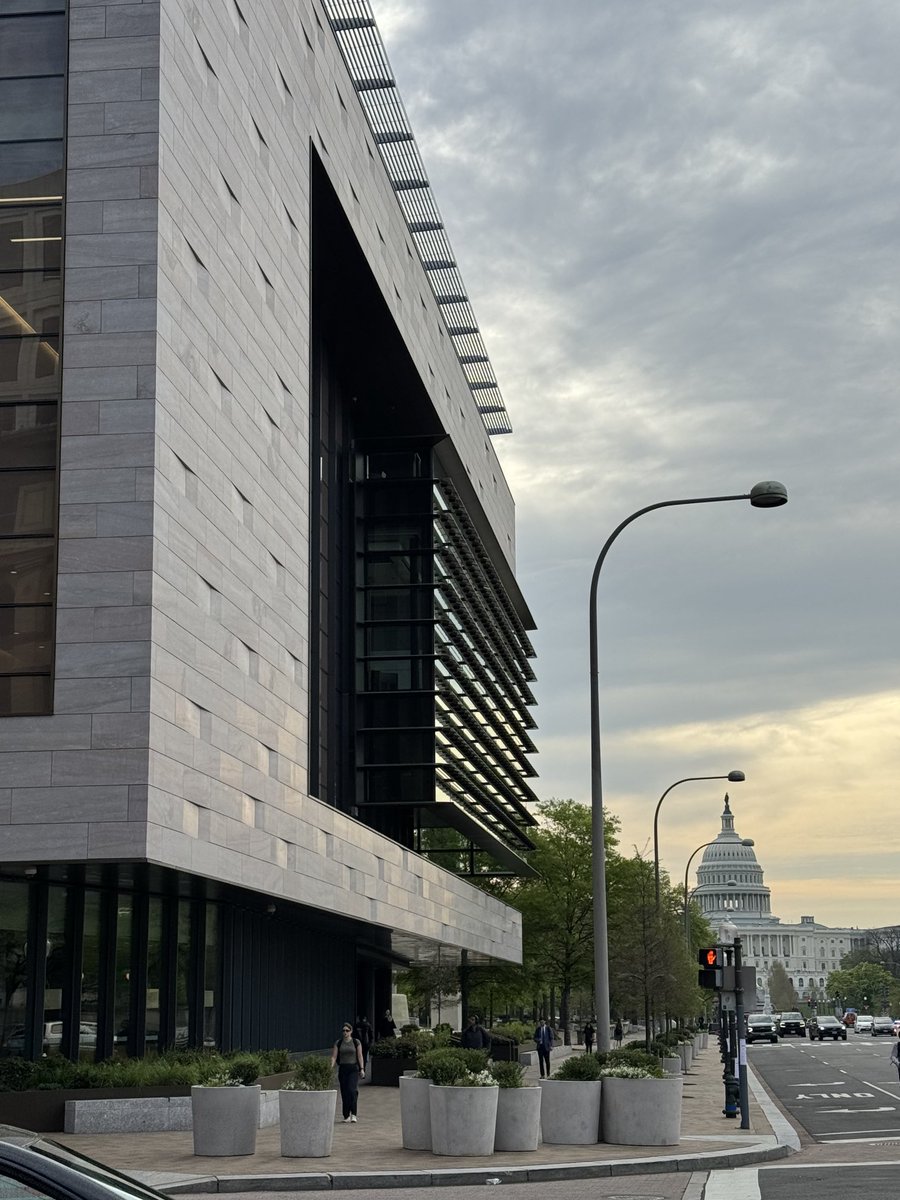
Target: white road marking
741, 1183
887, 1108
881, 1089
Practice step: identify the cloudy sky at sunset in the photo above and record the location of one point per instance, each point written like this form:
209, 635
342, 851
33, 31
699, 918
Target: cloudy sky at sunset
679, 226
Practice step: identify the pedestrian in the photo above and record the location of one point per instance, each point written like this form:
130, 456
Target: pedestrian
387, 1027
347, 1053
475, 1036
618, 1032
363, 1031
895, 1056
588, 1038
543, 1040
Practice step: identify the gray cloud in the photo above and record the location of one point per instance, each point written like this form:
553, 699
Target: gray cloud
678, 225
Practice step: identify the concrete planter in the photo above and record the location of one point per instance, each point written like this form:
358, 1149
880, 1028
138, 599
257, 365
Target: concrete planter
463, 1120
307, 1123
686, 1052
698, 1045
672, 1066
415, 1113
570, 1112
518, 1119
641, 1112
704, 1040
225, 1120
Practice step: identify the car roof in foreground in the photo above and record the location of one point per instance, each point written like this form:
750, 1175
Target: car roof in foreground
97, 1179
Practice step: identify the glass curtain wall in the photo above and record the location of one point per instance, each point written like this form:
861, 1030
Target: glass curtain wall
33, 44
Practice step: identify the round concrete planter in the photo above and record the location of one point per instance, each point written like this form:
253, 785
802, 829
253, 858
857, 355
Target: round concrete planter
672, 1066
704, 1040
641, 1112
686, 1052
224, 1120
463, 1120
518, 1119
570, 1112
307, 1123
698, 1045
415, 1113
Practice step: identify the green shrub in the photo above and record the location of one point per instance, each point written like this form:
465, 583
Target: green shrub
314, 1073
244, 1067
16, 1074
507, 1074
443, 1034
443, 1066
517, 1031
406, 1029
630, 1071
275, 1062
578, 1067
399, 1047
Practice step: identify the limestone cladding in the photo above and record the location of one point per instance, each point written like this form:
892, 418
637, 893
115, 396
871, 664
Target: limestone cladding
180, 732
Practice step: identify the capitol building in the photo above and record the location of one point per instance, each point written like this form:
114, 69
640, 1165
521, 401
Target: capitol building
730, 889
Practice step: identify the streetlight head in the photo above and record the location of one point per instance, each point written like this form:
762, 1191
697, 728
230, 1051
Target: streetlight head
736, 776
769, 494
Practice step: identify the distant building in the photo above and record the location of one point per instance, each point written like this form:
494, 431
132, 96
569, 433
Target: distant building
730, 888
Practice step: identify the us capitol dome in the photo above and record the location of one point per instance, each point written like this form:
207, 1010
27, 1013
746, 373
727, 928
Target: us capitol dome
730, 880
730, 890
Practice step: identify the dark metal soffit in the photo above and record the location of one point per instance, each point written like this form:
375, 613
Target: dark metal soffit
367, 63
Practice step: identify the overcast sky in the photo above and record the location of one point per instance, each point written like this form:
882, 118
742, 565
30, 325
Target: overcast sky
678, 226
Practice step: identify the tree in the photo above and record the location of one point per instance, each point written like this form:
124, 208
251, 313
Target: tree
557, 907
781, 991
867, 987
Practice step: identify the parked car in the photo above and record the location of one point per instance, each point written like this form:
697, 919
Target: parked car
864, 1023
31, 1165
882, 1025
792, 1022
15, 1041
824, 1026
896, 1026
761, 1027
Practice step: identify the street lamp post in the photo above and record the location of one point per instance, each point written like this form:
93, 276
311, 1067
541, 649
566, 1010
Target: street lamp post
769, 494
732, 777
687, 917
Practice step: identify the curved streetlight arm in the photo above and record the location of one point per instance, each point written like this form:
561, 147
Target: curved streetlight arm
687, 910
769, 494
687, 779
598, 845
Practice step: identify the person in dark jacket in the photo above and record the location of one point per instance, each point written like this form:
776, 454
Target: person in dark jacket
588, 1038
543, 1040
387, 1026
475, 1036
362, 1030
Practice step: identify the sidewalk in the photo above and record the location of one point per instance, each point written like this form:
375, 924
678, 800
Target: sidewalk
369, 1154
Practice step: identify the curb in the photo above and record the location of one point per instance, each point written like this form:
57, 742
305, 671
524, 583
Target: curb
459, 1177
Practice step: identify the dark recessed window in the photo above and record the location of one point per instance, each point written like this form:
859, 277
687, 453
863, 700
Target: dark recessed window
28, 503
27, 435
32, 45
25, 695
27, 570
31, 108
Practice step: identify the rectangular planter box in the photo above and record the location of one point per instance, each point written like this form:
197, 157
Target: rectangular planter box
45, 1112
386, 1072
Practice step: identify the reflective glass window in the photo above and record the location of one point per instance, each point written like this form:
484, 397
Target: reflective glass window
7, 7
29, 367
13, 946
155, 952
31, 171
26, 639
25, 695
33, 45
55, 977
30, 109
29, 303
30, 240
399, 785
182, 975
90, 974
211, 976
122, 1000
28, 435
27, 570
28, 502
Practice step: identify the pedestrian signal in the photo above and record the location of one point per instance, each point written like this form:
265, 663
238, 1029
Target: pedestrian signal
712, 960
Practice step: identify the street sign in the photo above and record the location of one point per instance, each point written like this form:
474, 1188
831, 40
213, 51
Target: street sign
748, 979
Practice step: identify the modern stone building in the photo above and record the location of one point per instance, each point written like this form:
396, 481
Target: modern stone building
730, 889
264, 663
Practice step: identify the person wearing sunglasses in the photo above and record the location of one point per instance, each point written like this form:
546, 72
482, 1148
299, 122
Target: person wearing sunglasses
347, 1053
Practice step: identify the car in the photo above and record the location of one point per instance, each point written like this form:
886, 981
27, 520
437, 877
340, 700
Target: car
882, 1026
761, 1027
896, 1026
825, 1026
864, 1023
792, 1022
32, 1165
15, 1040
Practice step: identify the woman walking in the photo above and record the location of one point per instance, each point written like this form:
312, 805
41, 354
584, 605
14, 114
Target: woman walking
347, 1053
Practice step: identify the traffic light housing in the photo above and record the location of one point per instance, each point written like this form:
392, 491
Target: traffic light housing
711, 960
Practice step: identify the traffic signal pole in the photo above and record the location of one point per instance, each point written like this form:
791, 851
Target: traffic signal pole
741, 1036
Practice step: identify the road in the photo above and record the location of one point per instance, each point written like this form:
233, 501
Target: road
836, 1091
